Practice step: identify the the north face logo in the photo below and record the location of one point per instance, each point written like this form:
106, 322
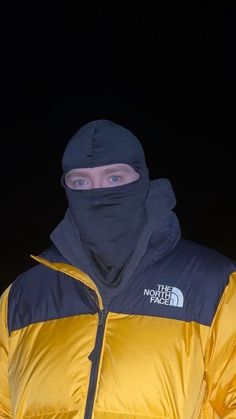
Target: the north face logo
165, 294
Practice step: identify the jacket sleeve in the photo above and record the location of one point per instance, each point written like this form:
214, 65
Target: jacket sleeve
5, 408
221, 357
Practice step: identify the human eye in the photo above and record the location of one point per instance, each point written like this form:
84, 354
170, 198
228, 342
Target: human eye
80, 182
116, 179
77, 182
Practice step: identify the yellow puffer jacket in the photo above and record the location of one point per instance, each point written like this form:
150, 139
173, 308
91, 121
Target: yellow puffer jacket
163, 347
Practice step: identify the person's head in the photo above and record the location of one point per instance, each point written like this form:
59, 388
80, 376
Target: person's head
107, 182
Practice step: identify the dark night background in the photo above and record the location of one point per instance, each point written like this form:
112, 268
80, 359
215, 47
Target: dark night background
167, 74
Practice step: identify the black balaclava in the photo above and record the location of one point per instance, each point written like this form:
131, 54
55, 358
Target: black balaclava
109, 220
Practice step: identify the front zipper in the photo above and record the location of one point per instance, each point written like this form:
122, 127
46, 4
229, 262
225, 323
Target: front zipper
102, 313
94, 357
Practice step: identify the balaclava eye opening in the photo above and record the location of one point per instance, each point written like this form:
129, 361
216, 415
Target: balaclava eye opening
109, 220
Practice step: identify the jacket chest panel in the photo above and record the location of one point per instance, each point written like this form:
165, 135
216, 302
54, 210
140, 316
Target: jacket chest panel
49, 367
143, 360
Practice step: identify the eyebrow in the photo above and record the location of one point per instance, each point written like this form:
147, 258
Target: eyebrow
116, 169
107, 170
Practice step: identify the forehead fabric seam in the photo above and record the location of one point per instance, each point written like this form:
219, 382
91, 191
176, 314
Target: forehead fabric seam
90, 154
93, 147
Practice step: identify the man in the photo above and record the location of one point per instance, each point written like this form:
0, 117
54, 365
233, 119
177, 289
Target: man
121, 318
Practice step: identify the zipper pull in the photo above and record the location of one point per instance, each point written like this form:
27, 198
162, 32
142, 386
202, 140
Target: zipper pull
101, 321
101, 315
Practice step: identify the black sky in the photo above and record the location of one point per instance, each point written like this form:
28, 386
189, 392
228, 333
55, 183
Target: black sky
167, 74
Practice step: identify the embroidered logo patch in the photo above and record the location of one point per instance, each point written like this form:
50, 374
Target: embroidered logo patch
165, 295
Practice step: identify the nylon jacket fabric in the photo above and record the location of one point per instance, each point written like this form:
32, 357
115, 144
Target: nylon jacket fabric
160, 345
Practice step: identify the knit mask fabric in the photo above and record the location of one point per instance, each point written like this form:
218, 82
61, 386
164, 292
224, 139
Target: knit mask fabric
109, 220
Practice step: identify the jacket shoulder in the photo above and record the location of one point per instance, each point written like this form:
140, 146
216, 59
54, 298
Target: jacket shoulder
201, 273
38, 276
41, 294
205, 260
